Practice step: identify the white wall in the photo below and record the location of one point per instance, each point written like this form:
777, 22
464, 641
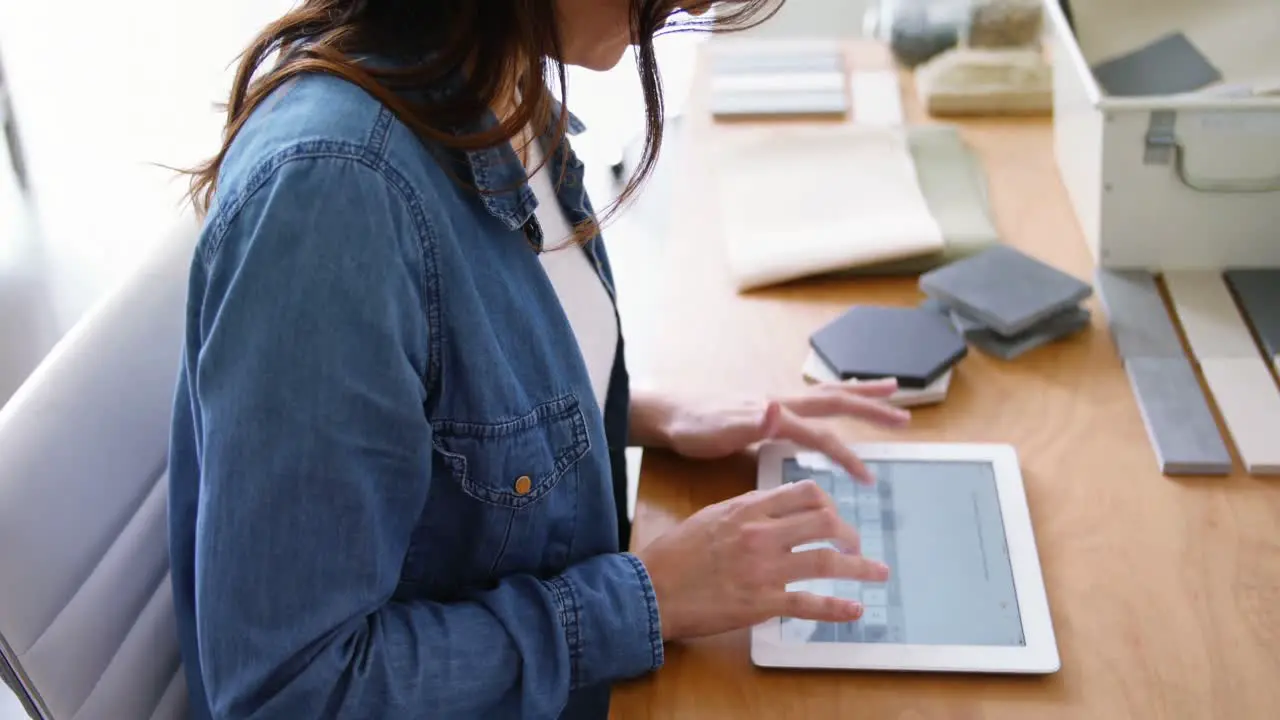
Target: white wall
102, 91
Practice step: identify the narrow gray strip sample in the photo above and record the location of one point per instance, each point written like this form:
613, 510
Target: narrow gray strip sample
1258, 292
1180, 425
1136, 315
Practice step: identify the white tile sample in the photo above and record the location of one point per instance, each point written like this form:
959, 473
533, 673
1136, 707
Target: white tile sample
815, 372
779, 82
877, 98
1213, 326
1249, 402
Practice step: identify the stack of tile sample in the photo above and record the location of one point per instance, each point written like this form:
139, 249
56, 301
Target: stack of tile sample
1006, 303
914, 346
778, 78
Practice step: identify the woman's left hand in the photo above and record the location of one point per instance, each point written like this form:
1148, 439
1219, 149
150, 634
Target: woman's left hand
718, 431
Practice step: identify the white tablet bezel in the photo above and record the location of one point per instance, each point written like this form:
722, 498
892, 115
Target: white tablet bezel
1040, 653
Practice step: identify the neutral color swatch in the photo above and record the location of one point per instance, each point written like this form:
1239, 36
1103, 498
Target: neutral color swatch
877, 98
1180, 425
954, 184
1249, 402
798, 201
754, 104
1136, 315
815, 371
967, 81
1208, 315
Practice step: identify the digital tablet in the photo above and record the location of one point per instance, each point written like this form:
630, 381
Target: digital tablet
965, 592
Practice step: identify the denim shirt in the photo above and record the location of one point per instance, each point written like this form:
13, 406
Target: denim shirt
393, 492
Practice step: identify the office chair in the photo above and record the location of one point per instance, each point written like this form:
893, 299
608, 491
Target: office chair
87, 629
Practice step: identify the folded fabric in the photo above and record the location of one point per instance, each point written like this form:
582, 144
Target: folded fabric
966, 81
954, 185
798, 201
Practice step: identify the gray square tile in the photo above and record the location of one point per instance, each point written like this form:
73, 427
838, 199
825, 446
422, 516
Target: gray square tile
1008, 291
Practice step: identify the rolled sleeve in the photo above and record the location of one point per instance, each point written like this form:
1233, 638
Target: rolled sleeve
609, 613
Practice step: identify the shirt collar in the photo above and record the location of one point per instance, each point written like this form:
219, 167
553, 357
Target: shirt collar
500, 177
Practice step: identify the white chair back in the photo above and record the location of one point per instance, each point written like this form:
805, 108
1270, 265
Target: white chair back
86, 610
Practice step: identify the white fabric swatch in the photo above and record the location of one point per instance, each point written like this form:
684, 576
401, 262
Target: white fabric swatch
799, 201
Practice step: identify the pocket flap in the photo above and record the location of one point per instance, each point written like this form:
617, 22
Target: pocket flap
515, 462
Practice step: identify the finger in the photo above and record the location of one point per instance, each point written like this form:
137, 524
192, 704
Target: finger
795, 430
823, 608
828, 564
840, 402
792, 498
815, 525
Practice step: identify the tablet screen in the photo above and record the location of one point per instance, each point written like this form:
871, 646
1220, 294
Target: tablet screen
937, 525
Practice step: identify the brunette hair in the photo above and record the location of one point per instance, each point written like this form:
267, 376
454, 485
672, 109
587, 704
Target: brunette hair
487, 52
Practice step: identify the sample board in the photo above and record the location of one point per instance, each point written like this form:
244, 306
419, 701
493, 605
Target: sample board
1233, 367
1237, 373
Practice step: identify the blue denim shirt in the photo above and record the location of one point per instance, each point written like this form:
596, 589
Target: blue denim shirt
375, 361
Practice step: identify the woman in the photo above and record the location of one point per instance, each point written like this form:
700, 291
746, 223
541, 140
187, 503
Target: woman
396, 477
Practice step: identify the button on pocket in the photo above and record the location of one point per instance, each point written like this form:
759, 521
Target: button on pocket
513, 463
523, 485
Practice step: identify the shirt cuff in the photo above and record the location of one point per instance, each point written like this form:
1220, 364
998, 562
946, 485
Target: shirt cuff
609, 613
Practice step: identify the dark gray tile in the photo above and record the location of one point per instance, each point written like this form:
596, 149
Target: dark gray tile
913, 345
1058, 327
1167, 66
1007, 290
1139, 322
1180, 425
1258, 292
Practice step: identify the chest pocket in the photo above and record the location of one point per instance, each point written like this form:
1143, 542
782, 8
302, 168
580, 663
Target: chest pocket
518, 483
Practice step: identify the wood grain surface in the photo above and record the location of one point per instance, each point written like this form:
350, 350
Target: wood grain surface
1165, 593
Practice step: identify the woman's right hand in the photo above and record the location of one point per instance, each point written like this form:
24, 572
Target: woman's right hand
728, 566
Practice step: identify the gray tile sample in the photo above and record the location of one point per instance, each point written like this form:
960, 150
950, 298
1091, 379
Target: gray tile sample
1058, 327
1179, 423
968, 326
866, 342
935, 305
1006, 290
1139, 322
1168, 66
1258, 292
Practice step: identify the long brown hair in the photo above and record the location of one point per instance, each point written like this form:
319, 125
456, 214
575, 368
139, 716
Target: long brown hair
490, 52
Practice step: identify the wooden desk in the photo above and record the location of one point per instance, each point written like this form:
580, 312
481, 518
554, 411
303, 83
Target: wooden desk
1165, 593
